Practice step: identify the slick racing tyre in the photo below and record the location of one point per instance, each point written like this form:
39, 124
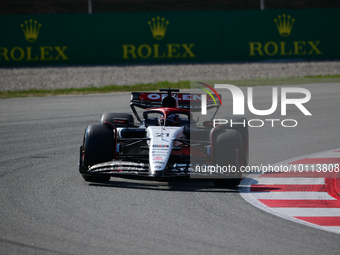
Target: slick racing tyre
98, 147
117, 119
227, 151
243, 129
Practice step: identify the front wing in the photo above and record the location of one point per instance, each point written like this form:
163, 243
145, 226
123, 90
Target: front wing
134, 170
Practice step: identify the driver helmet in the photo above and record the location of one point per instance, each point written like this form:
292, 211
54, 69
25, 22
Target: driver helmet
173, 120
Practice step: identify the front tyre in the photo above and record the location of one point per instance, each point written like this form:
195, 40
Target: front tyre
98, 146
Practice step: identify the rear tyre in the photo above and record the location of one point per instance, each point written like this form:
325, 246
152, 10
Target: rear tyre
227, 151
98, 147
117, 119
243, 129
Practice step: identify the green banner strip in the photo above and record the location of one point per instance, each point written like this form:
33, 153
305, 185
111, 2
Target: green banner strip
169, 37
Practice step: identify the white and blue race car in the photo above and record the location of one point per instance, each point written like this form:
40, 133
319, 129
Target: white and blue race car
165, 144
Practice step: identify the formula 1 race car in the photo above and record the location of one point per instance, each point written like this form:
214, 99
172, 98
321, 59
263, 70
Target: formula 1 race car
167, 143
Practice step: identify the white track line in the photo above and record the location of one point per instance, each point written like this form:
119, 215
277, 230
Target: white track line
289, 181
310, 195
327, 154
333, 229
309, 212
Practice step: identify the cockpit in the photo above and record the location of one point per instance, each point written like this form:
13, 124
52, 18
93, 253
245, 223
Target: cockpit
166, 117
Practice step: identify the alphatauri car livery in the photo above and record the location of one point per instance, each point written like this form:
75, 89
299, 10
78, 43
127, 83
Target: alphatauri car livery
165, 144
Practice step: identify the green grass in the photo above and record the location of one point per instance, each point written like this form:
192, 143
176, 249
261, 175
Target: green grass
165, 84
324, 76
94, 90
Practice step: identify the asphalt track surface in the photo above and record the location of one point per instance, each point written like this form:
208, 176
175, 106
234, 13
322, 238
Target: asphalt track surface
47, 208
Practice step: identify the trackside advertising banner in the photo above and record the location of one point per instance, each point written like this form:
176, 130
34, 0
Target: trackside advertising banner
164, 37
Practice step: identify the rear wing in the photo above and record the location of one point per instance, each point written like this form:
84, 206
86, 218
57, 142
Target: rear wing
189, 101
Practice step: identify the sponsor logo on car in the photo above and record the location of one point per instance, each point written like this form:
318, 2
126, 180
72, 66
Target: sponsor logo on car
158, 158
